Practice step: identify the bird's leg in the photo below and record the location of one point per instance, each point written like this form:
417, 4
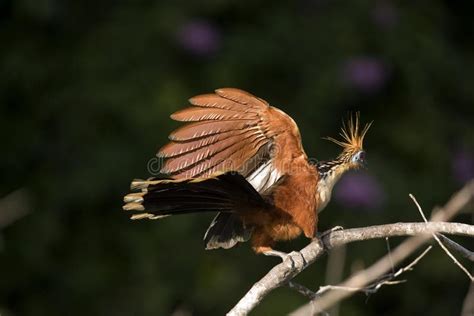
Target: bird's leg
268, 251
262, 243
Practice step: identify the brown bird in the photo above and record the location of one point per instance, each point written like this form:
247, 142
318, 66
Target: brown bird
242, 158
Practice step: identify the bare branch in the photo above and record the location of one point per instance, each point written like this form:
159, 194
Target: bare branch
303, 290
282, 273
435, 236
414, 262
453, 258
293, 264
335, 271
452, 207
374, 287
388, 279
457, 247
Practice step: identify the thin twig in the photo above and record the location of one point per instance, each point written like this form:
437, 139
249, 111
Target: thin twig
414, 262
435, 236
454, 259
457, 247
371, 289
374, 287
303, 290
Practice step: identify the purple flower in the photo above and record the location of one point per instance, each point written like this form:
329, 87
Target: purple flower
385, 14
366, 74
359, 190
199, 37
463, 166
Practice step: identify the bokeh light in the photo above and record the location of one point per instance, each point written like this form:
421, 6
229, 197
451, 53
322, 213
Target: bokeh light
366, 74
199, 37
360, 190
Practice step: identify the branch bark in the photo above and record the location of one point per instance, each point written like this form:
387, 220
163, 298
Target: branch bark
454, 206
296, 262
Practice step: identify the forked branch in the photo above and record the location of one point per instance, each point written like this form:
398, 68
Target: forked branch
295, 263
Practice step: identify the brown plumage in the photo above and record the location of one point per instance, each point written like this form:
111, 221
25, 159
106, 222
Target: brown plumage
240, 157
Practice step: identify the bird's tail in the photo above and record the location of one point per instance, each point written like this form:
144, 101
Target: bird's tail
227, 192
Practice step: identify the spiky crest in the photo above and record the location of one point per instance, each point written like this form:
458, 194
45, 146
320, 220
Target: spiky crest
352, 135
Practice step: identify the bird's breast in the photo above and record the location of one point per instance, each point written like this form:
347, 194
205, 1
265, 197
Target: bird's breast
324, 196
324, 189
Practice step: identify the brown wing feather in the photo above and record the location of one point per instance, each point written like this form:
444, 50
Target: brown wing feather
228, 130
230, 159
179, 163
174, 149
195, 114
216, 101
238, 158
206, 128
242, 97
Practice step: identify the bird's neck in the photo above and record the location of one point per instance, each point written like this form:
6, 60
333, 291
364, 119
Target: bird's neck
329, 173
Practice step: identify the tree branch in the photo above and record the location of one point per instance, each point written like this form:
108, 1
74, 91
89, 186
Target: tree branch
388, 279
435, 236
454, 205
457, 247
296, 262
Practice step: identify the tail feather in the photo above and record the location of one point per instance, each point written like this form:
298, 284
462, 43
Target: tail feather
227, 192
225, 231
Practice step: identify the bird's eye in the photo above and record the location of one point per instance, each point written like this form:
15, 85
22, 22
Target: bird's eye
359, 157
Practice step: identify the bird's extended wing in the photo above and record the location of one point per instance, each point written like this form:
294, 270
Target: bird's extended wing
232, 130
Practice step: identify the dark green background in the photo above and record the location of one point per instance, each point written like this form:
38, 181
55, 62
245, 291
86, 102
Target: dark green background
86, 89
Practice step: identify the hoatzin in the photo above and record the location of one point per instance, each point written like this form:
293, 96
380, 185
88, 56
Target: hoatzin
243, 159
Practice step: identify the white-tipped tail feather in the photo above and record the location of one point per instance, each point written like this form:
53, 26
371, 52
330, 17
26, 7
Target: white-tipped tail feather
225, 192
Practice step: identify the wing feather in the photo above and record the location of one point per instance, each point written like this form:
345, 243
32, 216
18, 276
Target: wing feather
215, 101
242, 97
232, 130
231, 159
236, 159
195, 114
206, 128
207, 152
173, 149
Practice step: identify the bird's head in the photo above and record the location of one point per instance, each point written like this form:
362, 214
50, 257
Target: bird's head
353, 155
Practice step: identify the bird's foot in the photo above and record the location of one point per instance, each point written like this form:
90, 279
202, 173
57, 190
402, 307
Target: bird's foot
287, 257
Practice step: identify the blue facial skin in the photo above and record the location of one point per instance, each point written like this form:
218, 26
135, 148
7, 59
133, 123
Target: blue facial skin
359, 158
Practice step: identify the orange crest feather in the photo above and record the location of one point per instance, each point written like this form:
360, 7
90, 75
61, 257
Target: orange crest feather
352, 135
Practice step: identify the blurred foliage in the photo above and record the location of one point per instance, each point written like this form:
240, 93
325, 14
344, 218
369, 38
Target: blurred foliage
86, 88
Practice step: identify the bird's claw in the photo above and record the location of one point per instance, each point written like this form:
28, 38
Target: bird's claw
330, 231
287, 256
